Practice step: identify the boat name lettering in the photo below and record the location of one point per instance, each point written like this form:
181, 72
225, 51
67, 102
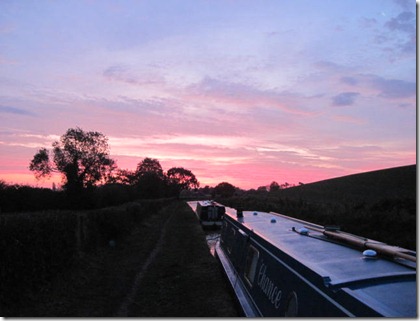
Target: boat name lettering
268, 287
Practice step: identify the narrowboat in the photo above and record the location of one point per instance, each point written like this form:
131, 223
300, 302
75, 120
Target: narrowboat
282, 266
210, 213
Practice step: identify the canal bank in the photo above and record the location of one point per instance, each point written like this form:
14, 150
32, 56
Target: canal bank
185, 279
163, 269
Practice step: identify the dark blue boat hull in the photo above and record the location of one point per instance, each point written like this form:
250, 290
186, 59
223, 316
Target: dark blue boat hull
275, 282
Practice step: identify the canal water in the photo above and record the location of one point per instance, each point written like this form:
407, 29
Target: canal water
212, 236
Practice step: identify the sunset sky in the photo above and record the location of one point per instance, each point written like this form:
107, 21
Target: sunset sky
242, 91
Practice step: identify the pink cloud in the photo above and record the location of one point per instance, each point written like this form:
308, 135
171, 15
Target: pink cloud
243, 96
125, 74
349, 119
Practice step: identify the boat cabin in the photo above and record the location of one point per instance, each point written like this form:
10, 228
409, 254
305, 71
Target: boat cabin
210, 213
281, 266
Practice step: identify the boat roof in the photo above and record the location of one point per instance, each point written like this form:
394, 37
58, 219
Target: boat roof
341, 266
209, 203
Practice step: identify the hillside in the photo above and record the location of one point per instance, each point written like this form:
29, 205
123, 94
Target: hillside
398, 182
380, 205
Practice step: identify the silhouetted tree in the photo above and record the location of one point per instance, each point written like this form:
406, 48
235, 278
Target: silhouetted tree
274, 186
207, 189
224, 189
149, 178
285, 185
124, 176
180, 179
262, 189
81, 157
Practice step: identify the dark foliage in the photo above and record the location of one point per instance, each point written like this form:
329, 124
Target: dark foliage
92, 179
19, 198
150, 185
81, 157
36, 247
180, 179
224, 189
150, 181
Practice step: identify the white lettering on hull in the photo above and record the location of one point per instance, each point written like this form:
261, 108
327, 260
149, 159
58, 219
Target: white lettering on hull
267, 286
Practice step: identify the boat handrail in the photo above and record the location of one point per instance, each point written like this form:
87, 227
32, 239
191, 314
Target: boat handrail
379, 247
298, 220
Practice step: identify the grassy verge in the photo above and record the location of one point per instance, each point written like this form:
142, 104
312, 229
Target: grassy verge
183, 279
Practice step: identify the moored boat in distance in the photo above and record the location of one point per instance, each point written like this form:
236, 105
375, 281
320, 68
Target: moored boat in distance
210, 213
282, 266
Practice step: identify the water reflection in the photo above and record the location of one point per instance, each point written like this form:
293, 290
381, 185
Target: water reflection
212, 237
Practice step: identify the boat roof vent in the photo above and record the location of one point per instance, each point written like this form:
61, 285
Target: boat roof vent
303, 231
369, 253
255, 213
273, 220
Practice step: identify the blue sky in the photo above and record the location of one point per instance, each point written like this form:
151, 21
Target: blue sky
241, 91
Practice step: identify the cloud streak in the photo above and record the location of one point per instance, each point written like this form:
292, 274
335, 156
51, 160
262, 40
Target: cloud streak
393, 88
240, 93
15, 111
384, 87
248, 97
345, 99
124, 74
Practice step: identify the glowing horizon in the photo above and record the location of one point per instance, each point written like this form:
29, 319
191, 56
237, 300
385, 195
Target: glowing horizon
243, 93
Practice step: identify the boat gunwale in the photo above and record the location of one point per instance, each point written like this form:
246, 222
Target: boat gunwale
247, 303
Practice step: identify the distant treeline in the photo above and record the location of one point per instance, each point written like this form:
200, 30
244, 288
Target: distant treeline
22, 198
83, 160
148, 181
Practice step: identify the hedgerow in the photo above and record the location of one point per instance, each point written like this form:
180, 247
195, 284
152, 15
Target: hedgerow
35, 247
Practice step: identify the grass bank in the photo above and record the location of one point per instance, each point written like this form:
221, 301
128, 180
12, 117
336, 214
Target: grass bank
181, 279
185, 280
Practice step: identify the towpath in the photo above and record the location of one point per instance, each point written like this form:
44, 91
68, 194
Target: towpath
130, 298
163, 269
